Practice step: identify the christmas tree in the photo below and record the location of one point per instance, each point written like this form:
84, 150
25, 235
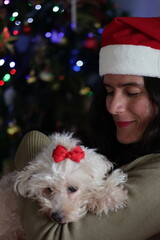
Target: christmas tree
48, 65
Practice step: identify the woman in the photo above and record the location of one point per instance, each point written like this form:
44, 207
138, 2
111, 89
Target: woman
125, 122
144, 124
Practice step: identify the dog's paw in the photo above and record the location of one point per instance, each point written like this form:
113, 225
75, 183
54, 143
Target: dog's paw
116, 194
117, 177
112, 195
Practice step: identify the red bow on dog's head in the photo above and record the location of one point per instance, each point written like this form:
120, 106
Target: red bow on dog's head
60, 153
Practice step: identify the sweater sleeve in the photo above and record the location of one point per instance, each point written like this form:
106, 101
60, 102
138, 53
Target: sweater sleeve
139, 220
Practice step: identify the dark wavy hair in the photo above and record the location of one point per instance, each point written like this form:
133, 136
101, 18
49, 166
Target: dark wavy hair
103, 130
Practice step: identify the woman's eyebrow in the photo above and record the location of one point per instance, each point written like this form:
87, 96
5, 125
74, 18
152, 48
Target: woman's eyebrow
134, 84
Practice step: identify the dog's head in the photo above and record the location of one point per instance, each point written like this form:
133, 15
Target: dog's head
63, 178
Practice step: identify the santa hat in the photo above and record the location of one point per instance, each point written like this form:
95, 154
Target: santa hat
131, 45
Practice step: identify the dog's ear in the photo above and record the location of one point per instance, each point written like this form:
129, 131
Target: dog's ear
24, 184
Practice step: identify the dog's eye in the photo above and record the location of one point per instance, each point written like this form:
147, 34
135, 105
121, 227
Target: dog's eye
48, 192
72, 189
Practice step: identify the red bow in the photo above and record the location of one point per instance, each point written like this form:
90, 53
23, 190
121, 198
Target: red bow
60, 153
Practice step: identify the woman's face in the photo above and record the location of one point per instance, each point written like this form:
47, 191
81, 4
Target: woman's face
130, 106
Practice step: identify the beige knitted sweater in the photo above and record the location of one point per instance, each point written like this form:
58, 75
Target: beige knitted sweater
140, 220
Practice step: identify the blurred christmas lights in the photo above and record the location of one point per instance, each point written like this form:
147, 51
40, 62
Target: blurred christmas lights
7, 77
2, 61
79, 63
12, 19
13, 71
86, 91
13, 128
38, 7
6, 2
15, 32
30, 20
12, 64
48, 34
1, 82
15, 14
55, 9
17, 22
76, 68
56, 37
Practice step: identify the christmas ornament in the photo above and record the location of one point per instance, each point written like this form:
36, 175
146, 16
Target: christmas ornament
26, 29
46, 76
74, 14
9, 96
13, 129
6, 41
85, 91
31, 78
91, 43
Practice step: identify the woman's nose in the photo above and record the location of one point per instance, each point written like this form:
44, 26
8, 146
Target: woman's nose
115, 104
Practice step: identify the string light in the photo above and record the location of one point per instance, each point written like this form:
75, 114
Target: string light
48, 34
13, 128
79, 63
7, 77
12, 64
86, 91
76, 68
56, 37
6, 2
38, 7
13, 71
30, 20
17, 22
15, 32
1, 82
90, 35
97, 25
100, 30
55, 9
2, 61
15, 14
12, 19
61, 77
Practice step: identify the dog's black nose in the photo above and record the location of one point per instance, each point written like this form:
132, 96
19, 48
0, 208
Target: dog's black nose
57, 217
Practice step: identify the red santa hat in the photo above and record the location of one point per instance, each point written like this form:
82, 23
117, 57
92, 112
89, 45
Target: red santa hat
131, 45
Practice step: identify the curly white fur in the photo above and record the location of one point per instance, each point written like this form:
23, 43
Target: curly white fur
65, 191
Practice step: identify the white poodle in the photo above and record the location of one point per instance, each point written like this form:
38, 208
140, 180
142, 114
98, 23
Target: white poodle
67, 179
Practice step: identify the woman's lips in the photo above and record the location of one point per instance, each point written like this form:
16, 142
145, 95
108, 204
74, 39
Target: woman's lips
123, 124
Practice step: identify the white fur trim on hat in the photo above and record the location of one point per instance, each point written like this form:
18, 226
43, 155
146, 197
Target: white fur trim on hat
129, 59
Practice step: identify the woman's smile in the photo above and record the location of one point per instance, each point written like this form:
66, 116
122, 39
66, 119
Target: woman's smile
122, 124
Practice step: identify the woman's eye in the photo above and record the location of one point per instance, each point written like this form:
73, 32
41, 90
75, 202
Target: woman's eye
109, 92
133, 94
72, 189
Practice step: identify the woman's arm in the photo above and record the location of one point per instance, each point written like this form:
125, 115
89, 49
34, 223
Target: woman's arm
139, 220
